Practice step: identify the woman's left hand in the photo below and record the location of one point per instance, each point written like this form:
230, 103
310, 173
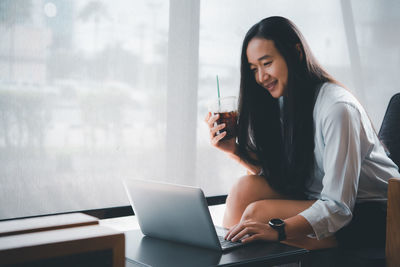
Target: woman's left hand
251, 230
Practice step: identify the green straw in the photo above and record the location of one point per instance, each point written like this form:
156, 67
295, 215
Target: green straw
219, 96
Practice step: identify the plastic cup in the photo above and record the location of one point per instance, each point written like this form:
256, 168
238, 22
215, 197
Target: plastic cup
226, 107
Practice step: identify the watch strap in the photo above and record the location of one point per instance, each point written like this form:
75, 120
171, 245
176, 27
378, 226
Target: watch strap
281, 233
279, 226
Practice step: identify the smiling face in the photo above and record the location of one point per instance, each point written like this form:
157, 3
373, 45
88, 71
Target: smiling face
268, 65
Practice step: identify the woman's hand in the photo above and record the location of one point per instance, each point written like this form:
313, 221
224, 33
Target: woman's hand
228, 146
251, 230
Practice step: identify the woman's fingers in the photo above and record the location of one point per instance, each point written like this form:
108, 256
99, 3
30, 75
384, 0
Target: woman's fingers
217, 138
235, 230
212, 119
215, 129
245, 231
207, 117
229, 231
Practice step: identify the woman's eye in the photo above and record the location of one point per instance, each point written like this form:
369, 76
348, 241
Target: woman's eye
267, 63
254, 70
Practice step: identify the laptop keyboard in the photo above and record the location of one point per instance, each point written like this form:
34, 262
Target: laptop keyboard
228, 244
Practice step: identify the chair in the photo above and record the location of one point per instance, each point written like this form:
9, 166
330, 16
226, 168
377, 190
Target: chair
393, 224
389, 134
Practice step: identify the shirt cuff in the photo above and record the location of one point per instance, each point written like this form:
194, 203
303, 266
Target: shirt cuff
326, 219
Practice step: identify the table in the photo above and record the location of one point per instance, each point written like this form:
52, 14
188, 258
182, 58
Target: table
147, 251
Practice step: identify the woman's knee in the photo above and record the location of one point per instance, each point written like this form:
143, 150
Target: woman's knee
246, 190
264, 210
250, 188
256, 211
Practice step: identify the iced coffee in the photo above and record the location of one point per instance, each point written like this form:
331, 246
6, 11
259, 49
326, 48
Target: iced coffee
226, 107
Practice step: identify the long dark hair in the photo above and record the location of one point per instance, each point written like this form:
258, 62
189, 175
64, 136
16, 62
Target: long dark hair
286, 154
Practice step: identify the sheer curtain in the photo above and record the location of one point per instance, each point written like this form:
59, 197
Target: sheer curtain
96, 91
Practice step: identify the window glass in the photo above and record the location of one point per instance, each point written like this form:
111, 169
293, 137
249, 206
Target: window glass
376, 27
96, 91
82, 93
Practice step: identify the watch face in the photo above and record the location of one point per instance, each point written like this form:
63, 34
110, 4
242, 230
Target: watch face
276, 222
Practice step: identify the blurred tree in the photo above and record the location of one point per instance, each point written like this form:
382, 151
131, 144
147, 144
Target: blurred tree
13, 12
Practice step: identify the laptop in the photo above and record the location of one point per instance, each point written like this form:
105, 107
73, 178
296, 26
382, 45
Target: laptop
177, 213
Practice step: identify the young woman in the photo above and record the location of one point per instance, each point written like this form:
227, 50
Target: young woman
318, 171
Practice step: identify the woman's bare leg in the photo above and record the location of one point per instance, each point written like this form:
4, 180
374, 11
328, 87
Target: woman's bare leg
252, 198
265, 210
247, 189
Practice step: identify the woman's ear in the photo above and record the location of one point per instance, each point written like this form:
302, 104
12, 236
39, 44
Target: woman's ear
300, 51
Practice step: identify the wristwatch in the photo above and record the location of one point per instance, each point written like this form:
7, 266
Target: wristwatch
279, 226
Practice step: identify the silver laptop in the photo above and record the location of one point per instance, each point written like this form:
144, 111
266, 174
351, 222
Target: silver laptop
177, 213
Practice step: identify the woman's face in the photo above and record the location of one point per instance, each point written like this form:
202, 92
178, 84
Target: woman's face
268, 65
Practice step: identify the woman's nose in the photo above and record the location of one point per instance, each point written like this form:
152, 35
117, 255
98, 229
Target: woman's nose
262, 75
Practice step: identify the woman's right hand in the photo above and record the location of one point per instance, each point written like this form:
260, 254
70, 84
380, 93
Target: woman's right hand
227, 146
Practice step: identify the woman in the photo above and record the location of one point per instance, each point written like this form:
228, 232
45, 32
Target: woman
318, 171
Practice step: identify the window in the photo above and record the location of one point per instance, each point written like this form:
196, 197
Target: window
83, 89
95, 91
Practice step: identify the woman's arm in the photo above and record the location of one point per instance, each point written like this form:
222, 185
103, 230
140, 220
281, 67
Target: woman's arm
295, 227
345, 146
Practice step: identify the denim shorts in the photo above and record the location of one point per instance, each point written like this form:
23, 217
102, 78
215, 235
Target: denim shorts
367, 228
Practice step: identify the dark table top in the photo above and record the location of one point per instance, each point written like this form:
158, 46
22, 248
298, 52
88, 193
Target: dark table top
147, 251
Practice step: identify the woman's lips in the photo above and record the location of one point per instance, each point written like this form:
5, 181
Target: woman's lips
270, 86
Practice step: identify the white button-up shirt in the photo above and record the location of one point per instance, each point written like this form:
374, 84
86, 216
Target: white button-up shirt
350, 162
